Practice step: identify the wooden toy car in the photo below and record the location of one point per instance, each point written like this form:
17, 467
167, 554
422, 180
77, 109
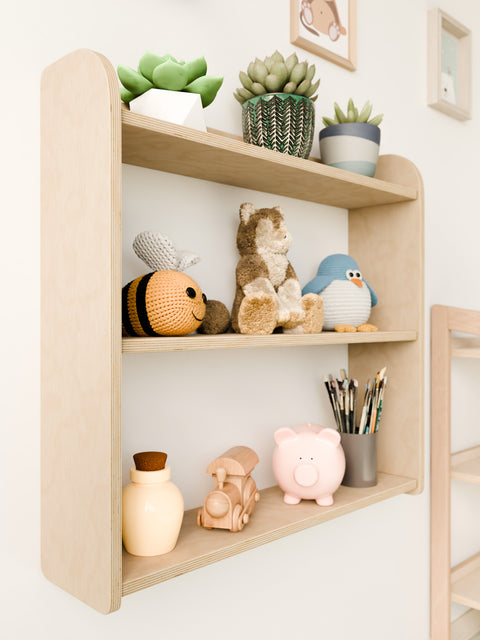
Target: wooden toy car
231, 503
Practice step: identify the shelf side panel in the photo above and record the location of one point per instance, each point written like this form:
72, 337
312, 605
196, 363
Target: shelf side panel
81, 328
388, 243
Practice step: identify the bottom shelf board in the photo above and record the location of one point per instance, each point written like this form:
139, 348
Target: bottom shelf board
467, 626
271, 520
465, 465
465, 579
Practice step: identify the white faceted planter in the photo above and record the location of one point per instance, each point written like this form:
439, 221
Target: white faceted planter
174, 106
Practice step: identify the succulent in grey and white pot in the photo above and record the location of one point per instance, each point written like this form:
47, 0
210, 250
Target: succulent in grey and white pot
277, 97
351, 140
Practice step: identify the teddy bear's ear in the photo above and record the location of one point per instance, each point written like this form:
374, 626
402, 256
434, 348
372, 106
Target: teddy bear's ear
278, 209
246, 210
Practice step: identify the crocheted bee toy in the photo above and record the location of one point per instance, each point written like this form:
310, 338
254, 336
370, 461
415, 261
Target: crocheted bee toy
347, 297
165, 302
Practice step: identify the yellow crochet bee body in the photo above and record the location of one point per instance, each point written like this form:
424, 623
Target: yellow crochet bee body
162, 303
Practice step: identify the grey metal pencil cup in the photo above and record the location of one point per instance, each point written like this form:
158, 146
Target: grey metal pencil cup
360, 459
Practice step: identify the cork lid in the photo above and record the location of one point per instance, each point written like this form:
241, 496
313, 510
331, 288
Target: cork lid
150, 460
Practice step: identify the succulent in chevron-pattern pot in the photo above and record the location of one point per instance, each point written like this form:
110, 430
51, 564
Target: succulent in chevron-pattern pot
277, 104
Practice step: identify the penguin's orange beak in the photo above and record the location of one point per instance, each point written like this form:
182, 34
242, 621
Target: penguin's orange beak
357, 281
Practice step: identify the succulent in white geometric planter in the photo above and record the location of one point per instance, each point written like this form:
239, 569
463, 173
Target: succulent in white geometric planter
277, 97
351, 141
169, 89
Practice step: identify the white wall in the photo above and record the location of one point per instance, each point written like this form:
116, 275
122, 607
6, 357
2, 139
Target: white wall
363, 576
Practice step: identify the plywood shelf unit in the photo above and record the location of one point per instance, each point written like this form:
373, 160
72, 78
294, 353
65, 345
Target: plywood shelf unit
462, 583
85, 139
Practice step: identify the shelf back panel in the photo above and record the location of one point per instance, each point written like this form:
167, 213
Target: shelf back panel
388, 244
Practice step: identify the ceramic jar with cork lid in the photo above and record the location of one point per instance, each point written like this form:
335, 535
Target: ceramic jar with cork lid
152, 507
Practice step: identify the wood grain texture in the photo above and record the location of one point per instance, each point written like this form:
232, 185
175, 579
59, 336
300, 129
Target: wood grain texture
446, 320
440, 475
465, 465
466, 626
194, 342
397, 276
466, 582
81, 328
271, 520
155, 144
465, 347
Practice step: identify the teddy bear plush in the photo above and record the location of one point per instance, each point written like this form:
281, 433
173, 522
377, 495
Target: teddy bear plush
268, 294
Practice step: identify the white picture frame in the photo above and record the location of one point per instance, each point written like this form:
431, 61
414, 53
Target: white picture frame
449, 65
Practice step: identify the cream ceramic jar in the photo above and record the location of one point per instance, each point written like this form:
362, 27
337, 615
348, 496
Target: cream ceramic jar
152, 513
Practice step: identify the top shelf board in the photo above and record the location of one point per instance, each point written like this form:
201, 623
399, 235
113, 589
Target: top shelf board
155, 144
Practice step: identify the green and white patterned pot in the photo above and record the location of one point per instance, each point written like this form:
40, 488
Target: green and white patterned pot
282, 122
352, 146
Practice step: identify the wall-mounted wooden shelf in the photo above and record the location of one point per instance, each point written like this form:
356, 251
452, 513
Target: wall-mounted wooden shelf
271, 520
85, 139
194, 342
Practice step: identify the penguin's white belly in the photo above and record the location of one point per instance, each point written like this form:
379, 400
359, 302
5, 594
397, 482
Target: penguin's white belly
345, 303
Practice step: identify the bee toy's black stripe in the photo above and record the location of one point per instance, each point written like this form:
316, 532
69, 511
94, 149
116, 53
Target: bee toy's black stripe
125, 316
141, 305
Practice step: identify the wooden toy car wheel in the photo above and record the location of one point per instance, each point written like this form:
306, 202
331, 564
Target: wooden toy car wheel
237, 521
199, 518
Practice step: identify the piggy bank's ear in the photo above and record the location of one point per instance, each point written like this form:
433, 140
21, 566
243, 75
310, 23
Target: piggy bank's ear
332, 436
284, 434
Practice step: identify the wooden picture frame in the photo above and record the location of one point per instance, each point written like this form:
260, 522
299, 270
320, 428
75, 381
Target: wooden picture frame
326, 28
449, 65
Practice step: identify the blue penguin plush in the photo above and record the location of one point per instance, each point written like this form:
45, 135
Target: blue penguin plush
347, 297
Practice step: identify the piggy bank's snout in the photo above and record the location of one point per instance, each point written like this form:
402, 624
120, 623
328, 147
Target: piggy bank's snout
306, 474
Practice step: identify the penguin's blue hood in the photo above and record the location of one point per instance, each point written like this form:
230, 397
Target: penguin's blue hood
333, 268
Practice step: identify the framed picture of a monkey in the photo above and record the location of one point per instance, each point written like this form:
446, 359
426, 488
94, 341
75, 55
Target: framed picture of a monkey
327, 28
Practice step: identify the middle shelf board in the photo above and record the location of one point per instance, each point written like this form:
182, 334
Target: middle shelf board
156, 144
271, 520
465, 465
465, 579
195, 342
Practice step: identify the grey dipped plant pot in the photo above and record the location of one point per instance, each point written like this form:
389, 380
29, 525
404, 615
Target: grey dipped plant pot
282, 122
352, 146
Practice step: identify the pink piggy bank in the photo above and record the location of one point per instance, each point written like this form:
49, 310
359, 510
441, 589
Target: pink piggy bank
308, 463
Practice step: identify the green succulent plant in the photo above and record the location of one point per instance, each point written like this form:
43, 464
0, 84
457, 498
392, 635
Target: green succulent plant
165, 72
353, 115
277, 75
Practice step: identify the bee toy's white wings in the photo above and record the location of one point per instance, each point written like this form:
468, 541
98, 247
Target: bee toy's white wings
158, 252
